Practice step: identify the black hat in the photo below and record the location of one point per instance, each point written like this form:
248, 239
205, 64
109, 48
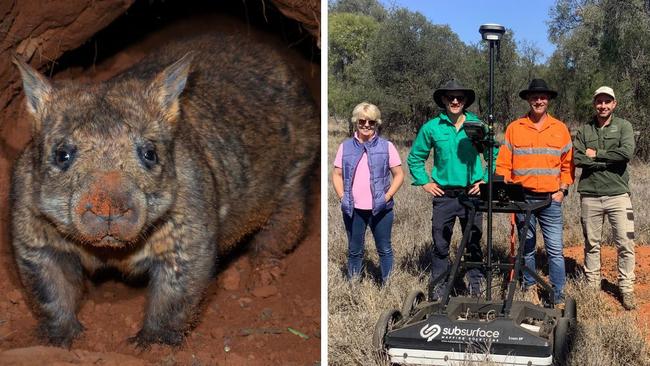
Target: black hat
537, 86
453, 85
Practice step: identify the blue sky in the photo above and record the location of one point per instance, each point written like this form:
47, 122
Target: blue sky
527, 19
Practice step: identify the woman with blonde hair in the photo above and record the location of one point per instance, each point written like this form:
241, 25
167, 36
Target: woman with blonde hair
363, 168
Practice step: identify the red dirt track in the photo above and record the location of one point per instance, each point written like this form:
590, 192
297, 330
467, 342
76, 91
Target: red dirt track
250, 316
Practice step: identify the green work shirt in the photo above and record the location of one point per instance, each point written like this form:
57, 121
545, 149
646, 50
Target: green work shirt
607, 173
456, 162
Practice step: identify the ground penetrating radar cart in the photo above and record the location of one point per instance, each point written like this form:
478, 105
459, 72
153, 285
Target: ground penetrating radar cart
454, 330
458, 329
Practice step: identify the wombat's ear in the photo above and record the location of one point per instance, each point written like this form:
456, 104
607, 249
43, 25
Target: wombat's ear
37, 88
168, 86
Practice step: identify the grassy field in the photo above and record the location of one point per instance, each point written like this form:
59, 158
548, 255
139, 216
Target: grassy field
354, 307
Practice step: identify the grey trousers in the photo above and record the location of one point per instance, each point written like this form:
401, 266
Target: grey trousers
618, 210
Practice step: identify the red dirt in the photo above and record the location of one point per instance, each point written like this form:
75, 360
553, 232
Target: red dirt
609, 273
252, 316
239, 325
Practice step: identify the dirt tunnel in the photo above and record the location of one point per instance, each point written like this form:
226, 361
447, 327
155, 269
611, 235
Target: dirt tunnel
89, 40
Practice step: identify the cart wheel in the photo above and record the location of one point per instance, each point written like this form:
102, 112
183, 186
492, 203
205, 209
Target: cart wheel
570, 308
412, 300
561, 341
385, 324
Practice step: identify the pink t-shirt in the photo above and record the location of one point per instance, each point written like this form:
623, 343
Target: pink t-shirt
361, 183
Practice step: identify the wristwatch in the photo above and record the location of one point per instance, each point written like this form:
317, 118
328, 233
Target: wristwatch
564, 191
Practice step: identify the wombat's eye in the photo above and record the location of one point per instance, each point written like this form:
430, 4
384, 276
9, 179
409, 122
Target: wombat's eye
148, 156
64, 155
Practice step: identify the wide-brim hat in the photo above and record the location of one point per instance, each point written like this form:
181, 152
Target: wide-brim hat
454, 85
537, 86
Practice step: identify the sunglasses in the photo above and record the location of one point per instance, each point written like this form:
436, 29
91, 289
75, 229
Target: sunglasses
459, 98
362, 122
537, 97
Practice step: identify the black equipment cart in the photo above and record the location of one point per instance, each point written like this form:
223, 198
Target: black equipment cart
459, 329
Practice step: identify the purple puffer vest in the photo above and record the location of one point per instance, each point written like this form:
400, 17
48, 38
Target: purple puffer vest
377, 150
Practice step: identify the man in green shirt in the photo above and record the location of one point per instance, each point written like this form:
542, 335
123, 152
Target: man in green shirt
457, 169
603, 148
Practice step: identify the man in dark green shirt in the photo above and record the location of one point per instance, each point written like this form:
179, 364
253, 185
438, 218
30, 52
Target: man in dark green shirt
603, 148
457, 169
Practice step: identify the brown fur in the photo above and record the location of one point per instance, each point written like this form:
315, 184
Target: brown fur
155, 172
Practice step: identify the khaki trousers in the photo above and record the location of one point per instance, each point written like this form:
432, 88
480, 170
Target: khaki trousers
618, 210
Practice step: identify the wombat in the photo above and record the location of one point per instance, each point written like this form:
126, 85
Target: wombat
157, 171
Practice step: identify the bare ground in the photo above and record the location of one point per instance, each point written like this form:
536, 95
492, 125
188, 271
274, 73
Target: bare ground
609, 274
239, 324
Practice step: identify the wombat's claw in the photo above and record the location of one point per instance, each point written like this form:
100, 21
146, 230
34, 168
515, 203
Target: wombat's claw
61, 335
145, 338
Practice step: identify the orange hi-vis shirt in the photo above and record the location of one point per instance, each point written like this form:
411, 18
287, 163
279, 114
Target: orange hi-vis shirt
540, 160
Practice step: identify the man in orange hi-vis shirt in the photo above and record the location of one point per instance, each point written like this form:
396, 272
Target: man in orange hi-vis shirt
538, 154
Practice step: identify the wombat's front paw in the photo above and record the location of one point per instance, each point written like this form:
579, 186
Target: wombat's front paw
61, 334
146, 337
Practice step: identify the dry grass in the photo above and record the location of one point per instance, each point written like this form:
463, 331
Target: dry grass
354, 307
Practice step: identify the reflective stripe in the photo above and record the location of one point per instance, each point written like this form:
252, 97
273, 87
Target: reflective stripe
536, 151
507, 143
567, 147
521, 172
419, 356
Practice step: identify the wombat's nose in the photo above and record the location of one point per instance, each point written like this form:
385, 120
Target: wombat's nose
107, 209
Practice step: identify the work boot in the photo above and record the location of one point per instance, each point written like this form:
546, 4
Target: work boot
628, 300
